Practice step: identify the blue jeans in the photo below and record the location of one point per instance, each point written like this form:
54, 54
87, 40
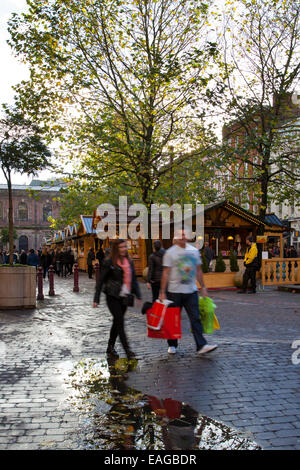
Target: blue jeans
190, 303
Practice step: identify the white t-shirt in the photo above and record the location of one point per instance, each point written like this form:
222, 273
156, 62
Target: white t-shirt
184, 262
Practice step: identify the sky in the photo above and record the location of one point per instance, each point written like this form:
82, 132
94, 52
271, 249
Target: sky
13, 71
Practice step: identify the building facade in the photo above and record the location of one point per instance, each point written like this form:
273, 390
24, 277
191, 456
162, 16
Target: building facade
235, 134
33, 204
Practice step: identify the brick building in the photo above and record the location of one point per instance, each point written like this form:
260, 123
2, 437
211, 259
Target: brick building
32, 205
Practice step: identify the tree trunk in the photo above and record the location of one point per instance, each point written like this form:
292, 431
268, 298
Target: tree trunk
148, 240
10, 222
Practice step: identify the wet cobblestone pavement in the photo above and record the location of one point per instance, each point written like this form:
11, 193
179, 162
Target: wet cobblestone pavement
249, 384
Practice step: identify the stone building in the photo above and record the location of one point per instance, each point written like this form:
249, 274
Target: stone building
32, 205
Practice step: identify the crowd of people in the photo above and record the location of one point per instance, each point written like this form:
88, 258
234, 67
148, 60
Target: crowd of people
61, 259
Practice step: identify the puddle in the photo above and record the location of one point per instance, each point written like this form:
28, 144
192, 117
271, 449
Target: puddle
117, 417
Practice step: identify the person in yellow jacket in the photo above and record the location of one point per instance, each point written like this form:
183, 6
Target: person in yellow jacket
251, 263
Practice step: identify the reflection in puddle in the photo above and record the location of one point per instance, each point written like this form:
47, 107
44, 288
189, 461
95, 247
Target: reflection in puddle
116, 416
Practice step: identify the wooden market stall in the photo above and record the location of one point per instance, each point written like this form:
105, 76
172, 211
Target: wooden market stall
83, 238
227, 225
136, 248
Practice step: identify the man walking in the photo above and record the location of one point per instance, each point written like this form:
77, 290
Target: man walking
251, 263
209, 254
90, 259
181, 269
155, 269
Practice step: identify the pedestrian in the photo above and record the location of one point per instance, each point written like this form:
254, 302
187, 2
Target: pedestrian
2, 258
155, 269
23, 257
33, 259
6, 257
181, 269
90, 259
100, 255
118, 276
293, 252
252, 265
56, 261
208, 253
15, 257
70, 261
107, 253
276, 251
45, 262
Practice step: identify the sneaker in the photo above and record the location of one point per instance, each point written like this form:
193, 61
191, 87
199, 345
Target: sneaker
207, 349
172, 350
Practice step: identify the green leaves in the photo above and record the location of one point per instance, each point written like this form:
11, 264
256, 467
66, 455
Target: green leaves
116, 81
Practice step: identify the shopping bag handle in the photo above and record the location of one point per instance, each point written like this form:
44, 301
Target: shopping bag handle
165, 302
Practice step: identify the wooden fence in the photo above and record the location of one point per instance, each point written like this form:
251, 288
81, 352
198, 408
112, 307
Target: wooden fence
280, 271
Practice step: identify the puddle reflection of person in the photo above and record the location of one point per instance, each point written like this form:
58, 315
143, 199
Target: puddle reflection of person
118, 281
139, 423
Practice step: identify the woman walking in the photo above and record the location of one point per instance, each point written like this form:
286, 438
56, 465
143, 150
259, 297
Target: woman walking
118, 281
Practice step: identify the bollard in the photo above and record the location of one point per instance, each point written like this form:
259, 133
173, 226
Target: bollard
76, 278
51, 281
40, 273
97, 271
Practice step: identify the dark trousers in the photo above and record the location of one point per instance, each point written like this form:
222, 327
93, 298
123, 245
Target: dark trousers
46, 271
117, 309
250, 273
191, 305
155, 286
90, 270
64, 269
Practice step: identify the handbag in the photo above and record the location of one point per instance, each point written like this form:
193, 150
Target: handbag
128, 300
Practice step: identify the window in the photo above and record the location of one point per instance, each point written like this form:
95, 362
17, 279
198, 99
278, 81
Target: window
1, 211
47, 212
22, 211
23, 243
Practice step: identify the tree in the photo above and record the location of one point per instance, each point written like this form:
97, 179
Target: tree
77, 199
21, 150
261, 136
234, 267
129, 77
4, 235
220, 264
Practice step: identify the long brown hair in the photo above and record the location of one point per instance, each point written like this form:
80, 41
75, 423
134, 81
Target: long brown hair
114, 254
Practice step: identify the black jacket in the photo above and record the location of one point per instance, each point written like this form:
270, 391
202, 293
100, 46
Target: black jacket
155, 268
90, 258
111, 281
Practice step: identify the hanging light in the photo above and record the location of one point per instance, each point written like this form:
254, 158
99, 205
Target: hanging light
230, 237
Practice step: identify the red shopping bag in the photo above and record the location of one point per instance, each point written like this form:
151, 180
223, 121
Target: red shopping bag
168, 407
163, 322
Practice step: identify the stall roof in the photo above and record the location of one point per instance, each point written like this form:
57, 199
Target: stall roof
87, 222
272, 219
231, 206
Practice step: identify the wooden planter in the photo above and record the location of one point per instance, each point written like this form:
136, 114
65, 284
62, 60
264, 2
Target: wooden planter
218, 280
17, 287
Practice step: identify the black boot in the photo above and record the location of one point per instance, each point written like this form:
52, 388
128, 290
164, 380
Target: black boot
111, 351
130, 354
